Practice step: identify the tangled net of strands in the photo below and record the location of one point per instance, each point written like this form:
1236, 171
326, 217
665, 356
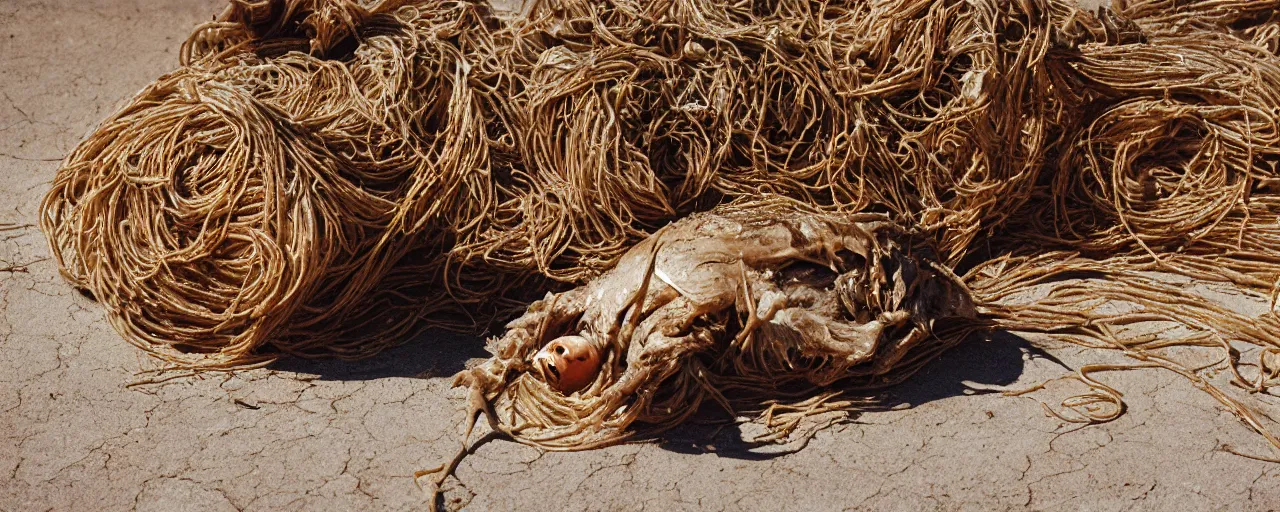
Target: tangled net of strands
326, 177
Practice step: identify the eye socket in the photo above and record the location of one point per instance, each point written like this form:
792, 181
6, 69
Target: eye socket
582, 358
560, 349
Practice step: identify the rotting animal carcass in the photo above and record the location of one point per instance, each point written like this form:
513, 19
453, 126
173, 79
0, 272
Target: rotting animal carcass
746, 305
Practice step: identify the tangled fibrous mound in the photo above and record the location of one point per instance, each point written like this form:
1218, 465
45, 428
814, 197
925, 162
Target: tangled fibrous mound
282, 190
326, 177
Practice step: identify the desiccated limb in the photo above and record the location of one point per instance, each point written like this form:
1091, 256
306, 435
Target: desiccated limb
477, 404
636, 305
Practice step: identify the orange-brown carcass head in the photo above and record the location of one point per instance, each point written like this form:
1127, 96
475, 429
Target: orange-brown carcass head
568, 363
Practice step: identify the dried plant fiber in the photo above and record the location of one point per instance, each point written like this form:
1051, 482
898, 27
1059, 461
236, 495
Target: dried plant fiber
326, 177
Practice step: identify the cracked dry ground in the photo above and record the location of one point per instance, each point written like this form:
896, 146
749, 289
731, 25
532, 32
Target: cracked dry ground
331, 435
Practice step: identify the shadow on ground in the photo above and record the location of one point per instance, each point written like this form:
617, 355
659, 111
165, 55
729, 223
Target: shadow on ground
433, 353
979, 363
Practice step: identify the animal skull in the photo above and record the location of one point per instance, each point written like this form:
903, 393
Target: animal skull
568, 363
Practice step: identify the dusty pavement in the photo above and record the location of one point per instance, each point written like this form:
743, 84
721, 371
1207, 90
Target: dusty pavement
331, 435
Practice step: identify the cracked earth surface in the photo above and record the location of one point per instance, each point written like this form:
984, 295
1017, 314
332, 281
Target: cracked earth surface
331, 435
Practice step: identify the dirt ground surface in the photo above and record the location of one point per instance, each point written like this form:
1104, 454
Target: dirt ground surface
332, 435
